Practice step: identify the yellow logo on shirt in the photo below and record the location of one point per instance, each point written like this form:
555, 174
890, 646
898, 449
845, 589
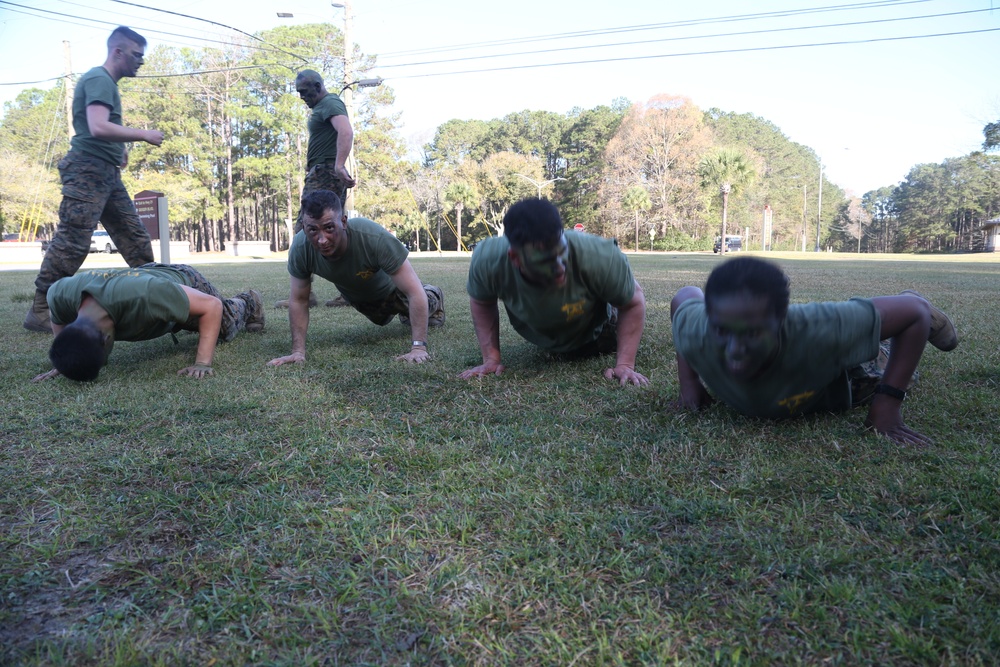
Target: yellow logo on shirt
793, 403
574, 310
365, 274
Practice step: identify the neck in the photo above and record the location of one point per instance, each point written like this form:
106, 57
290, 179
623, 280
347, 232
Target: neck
91, 310
109, 67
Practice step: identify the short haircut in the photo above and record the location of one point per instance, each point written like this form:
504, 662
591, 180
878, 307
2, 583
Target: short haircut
753, 275
532, 221
78, 350
122, 33
310, 76
318, 202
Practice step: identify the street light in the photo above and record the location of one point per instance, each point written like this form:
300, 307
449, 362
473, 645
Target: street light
363, 83
819, 206
541, 184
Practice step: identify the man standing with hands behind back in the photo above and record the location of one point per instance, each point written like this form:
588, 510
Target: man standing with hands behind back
92, 185
330, 140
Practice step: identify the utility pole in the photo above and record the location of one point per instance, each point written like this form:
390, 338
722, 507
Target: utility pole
68, 83
804, 187
819, 206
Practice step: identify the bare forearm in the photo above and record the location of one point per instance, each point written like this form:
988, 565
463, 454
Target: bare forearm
298, 318
344, 143
486, 321
630, 324
108, 131
418, 316
906, 321
209, 325
687, 378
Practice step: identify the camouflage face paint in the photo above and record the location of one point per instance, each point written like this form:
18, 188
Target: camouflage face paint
544, 264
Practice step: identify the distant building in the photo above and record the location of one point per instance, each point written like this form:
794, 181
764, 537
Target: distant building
992, 229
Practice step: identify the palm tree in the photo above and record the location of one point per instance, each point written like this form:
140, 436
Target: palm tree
636, 199
460, 194
729, 170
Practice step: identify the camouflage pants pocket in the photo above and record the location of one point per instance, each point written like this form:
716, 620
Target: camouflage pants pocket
234, 311
866, 376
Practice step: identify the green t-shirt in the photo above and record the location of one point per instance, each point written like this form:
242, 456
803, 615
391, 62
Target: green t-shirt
322, 137
819, 343
144, 303
96, 87
363, 274
562, 319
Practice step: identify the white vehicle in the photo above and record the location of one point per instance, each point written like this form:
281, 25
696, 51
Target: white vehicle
101, 241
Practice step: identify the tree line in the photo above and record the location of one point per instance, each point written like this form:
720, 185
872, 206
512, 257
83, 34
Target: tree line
660, 174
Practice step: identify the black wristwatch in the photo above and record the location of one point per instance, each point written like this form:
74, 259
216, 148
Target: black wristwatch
889, 390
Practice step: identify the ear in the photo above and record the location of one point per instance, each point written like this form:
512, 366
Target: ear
514, 258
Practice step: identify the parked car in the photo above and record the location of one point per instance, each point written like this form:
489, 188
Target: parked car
101, 241
734, 242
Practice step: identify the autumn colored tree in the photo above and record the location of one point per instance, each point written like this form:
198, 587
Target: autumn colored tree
658, 144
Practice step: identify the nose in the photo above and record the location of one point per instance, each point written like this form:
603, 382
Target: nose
735, 347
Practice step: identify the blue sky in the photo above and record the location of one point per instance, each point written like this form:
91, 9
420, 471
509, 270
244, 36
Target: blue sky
871, 100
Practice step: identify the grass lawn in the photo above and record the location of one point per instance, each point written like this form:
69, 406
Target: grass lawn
355, 510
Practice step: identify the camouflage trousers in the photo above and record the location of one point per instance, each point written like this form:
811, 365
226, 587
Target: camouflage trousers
236, 312
397, 303
865, 377
92, 192
323, 176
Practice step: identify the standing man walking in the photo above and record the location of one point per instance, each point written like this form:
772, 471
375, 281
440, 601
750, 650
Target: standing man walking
330, 140
92, 185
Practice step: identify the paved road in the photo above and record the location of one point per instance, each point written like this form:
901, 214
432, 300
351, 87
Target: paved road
100, 260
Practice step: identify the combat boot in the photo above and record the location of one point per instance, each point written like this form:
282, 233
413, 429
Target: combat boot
943, 334
37, 318
436, 318
255, 323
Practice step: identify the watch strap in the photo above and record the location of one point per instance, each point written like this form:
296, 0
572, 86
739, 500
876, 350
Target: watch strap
889, 390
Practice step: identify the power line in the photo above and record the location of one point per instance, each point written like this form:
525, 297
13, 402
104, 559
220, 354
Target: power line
163, 75
656, 26
690, 37
210, 71
154, 31
82, 18
131, 16
693, 53
223, 25
31, 83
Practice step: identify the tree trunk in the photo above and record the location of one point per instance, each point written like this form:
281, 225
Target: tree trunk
636, 212
227, 124
725, 213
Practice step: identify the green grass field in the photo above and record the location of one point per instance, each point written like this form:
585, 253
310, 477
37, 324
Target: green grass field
358, 511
